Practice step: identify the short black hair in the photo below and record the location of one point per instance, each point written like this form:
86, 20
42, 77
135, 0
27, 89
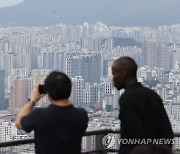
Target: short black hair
58, 85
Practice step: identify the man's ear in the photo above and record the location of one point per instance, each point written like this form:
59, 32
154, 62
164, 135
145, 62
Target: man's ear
125, 73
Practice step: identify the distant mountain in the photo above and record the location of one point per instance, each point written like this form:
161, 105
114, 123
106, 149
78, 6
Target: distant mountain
111, 12
125, 42
5, 3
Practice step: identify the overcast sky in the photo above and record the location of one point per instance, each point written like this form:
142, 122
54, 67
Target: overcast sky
4, 3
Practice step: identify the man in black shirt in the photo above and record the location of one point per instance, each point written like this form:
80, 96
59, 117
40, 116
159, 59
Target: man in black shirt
142, 114
59, 127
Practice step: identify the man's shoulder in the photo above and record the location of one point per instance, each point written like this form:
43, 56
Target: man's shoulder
148, 90
140, 91
143, 89
39, 111
81, 115
81, 110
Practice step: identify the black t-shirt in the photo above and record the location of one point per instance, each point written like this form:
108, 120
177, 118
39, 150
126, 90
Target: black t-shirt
142, 116
58, 130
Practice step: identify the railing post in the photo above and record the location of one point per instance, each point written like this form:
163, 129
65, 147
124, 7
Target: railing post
98, 143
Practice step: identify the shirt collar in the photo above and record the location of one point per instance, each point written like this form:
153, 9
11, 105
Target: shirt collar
61, 107
134, 85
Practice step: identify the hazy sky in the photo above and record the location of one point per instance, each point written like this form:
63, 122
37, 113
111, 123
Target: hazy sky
4, 3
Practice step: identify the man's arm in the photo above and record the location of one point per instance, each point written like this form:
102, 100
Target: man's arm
165, 129
24, 111
85, 122
35, 96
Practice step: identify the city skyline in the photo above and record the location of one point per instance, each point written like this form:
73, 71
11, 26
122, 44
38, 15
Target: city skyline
85, 53
82, 38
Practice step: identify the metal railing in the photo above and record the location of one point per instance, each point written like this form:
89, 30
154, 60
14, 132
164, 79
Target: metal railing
99, 148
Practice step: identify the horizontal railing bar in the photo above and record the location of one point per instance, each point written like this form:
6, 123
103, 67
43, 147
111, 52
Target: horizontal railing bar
93, 151
176, 134
88, 133
29, 141
100, 151
103, 131
15, 143
113, 150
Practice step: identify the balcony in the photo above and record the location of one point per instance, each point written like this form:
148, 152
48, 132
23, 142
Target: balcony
98, 146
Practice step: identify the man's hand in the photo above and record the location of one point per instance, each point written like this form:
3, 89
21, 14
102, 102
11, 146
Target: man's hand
35, 95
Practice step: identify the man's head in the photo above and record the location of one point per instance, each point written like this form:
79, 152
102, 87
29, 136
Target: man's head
58, 86
124, 71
